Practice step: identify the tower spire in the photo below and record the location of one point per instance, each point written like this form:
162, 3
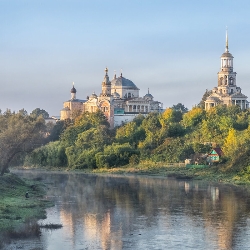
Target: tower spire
226, 41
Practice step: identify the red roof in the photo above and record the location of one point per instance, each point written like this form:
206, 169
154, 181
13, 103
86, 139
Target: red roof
217, 150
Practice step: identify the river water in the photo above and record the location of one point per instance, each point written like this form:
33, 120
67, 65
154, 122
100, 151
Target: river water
137, 212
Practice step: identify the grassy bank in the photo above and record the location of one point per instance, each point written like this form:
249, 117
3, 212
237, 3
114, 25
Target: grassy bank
210, 173
18, 214
235, 173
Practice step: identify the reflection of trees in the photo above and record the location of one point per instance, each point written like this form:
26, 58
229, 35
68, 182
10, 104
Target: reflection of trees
109, 207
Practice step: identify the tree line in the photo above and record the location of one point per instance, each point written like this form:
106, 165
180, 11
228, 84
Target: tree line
88, 142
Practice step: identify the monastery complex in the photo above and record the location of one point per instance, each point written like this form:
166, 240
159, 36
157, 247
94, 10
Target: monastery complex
120, 100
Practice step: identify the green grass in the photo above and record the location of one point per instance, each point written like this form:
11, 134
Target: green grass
15, 209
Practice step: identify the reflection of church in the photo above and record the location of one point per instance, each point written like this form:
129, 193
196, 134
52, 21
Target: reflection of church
227, 91
119, 101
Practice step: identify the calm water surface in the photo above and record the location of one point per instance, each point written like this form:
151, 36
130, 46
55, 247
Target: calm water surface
136, 212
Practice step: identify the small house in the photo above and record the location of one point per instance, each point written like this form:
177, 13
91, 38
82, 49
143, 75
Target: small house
214, 155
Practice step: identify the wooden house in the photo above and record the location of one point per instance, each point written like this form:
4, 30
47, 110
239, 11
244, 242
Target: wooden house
214, 155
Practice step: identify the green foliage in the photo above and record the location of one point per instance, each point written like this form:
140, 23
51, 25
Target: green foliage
93, 138
52, 154
201, 148
56, 130
19, 134
39, 112
115, 155
173, 150
131, 133
170, 115
193, 117
86, 159
173, 136
180, 107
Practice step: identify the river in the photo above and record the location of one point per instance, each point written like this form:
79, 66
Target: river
138, 212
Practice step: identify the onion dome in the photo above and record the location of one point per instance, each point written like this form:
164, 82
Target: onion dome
73, 90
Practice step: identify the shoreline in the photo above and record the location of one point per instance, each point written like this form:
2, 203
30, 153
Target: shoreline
216, 173
22, 205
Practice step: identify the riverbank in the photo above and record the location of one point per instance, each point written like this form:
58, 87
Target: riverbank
215, 173
22, 204
209, 173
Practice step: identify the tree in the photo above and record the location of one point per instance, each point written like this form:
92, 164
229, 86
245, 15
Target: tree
193, 117
37, 112
231, 145
169, 116
180, 107
19, 134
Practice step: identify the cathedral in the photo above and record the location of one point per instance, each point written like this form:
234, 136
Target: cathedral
227, 92
119, 101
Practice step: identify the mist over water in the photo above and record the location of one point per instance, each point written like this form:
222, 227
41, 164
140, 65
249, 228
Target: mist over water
136, 212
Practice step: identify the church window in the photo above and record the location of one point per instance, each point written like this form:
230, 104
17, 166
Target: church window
231, 80
220, 82
129, 95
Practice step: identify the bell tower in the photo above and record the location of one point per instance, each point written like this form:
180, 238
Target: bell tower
106, 85
226, 76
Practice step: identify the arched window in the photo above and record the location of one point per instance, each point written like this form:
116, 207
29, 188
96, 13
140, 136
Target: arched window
231, 81
220, 81
129, 95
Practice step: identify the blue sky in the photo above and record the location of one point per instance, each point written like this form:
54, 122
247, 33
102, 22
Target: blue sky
171, 47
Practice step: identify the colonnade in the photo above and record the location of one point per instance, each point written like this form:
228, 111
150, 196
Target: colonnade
226, 63
138, 108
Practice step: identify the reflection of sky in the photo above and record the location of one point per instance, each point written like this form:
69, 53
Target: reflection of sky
171, 47
145, 213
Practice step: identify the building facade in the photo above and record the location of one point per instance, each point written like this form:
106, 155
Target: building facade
119, 101
72, 106
227, 92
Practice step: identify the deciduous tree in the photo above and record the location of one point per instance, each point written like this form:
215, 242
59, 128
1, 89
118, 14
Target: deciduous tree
19, 134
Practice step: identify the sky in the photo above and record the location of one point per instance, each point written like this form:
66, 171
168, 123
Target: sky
172, 47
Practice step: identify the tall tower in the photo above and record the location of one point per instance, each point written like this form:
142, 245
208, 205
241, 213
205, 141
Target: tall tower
106, 85
226, 76
227, 92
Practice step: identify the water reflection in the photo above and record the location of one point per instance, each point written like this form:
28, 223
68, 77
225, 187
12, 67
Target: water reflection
114, 212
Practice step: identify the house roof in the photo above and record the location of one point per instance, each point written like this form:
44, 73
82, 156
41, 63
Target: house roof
217, 151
